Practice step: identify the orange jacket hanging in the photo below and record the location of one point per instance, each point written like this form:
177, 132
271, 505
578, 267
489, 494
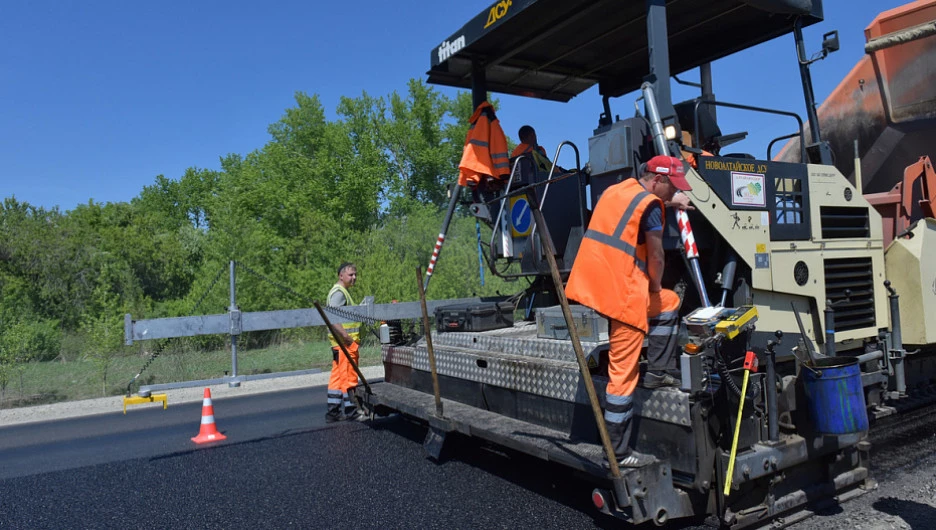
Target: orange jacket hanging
485, 153
610, 270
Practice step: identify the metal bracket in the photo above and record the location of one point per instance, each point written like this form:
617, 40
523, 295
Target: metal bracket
236, 322
435, 438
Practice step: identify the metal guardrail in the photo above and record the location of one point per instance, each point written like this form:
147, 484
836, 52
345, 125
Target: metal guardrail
236, 322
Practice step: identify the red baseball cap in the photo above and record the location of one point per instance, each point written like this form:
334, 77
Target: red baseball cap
672, 167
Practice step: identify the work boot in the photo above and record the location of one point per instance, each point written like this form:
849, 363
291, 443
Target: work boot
334, 413
334, 406
355, 414
653, 380
633, 460
619, 435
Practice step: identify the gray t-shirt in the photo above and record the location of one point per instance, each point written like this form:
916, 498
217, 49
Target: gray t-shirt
337, 299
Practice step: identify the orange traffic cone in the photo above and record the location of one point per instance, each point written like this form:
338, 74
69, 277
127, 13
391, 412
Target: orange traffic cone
208, 431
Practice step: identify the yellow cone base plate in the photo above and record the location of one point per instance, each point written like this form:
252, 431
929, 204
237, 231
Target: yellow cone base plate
137, 400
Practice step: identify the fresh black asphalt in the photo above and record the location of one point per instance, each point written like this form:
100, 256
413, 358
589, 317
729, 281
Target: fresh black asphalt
281, 466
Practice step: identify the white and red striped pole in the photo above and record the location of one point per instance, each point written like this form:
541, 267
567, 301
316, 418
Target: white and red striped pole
692, 253
435, 255
441, 239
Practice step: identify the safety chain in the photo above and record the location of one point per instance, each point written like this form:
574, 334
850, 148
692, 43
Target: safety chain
161, 345
342, 312
208, 291
156, 352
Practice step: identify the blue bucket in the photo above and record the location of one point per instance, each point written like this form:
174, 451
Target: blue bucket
835, 395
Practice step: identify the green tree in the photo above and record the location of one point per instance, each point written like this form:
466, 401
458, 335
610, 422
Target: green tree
103, 324
423, 135
23, 341
369, 186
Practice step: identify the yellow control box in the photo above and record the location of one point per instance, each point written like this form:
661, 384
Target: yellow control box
732, 324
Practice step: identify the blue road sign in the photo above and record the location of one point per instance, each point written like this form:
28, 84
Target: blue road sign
521, 218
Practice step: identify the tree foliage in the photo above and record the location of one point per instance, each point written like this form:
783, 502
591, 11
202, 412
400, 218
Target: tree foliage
368, 186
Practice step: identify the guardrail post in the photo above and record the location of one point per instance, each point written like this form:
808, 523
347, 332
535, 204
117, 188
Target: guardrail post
235, 329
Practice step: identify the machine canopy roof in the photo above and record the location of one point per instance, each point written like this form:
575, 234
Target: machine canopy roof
556, 49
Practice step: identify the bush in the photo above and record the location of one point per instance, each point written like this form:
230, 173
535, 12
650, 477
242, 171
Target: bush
25, 341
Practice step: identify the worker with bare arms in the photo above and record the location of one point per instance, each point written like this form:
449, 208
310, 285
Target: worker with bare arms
343, 377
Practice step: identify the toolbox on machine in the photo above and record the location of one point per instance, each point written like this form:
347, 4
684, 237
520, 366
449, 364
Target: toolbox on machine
551, 324
481, 316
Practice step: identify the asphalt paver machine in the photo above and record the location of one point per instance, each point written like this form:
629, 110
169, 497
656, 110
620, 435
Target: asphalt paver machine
788, 270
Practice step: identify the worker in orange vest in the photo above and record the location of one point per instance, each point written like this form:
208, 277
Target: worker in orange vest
617, 272
528, 145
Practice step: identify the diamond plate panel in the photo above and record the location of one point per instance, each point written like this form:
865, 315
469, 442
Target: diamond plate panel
399, 355
667, 405
542, 377
520, 339
537, 376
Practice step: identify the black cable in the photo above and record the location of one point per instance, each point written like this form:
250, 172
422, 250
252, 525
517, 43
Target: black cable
726, 377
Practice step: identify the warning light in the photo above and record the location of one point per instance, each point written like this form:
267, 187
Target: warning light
692, 348
598, 500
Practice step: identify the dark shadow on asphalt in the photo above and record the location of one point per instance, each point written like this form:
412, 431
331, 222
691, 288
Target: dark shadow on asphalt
829, 508
546, 479
285, 434
918, 515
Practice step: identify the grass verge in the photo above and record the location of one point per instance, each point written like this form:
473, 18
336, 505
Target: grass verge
56, 381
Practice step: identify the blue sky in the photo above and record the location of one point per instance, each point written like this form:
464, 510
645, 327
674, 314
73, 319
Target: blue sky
98, 98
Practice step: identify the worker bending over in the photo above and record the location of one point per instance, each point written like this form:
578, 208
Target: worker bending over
617, 273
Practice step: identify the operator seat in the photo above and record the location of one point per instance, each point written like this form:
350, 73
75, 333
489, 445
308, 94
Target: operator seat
708, 127
709, 137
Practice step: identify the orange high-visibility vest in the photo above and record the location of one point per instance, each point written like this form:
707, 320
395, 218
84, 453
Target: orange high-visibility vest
539, 156
525, 148
485, 153
609, 274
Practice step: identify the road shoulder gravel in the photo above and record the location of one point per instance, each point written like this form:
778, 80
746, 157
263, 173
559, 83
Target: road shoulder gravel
87, 407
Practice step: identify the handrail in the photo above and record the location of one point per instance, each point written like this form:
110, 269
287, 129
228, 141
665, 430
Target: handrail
507, 193
500, 213
578, 168
777, 139
695, 115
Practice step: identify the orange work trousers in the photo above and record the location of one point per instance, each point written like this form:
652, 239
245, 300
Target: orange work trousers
627, 342
343, 375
